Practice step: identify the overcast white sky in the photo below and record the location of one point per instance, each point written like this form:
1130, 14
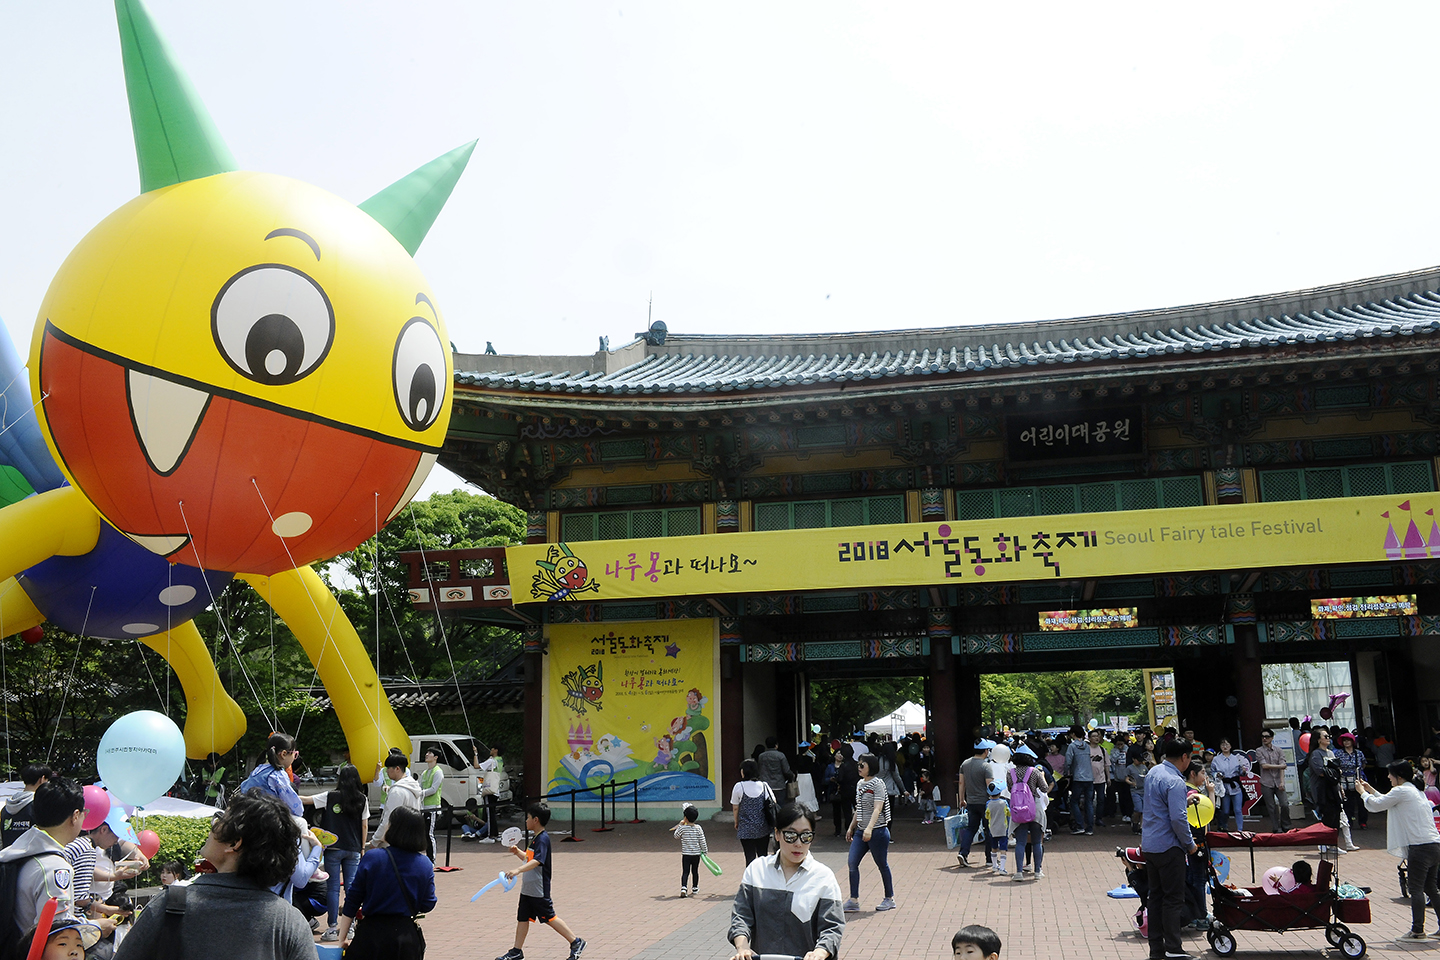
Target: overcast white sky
778, 167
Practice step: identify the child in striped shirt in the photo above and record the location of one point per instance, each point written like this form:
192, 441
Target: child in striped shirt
692, 843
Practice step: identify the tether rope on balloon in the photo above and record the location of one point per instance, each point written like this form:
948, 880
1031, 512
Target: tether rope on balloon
319, 617
224, 628
440, 621
65, 690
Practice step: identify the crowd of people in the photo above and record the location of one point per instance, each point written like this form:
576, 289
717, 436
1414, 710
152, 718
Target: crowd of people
273, 864
267, 872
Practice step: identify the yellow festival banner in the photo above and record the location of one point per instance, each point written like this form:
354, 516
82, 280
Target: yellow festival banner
1069, 546
633, 701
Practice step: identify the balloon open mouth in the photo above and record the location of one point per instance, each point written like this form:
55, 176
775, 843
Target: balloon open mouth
212, 477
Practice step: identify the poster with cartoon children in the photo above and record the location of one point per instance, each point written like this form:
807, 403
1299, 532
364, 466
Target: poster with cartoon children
633, 702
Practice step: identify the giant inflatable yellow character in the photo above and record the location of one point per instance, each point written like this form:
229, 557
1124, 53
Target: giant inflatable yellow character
242, 373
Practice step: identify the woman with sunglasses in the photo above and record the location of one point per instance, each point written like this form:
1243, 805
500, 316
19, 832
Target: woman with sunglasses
788, 903
872, 809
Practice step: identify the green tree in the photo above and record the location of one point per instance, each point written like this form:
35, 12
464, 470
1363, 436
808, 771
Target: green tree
62, 692
845, 705
1007, 699
414, 640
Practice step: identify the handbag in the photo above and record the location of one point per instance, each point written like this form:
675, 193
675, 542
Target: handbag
792, 789
772, 807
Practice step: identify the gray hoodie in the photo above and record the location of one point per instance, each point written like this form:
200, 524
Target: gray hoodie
47, 875
404, 792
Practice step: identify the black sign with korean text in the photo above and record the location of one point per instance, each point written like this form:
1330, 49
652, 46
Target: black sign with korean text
1109, 432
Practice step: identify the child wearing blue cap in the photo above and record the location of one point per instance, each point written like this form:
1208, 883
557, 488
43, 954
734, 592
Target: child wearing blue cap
997, 822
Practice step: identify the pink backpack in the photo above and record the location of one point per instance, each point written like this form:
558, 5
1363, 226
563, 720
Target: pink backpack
1022, 799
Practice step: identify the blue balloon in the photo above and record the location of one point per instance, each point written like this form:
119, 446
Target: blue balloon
141, 756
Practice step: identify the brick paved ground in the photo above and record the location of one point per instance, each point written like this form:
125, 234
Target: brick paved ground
618, 890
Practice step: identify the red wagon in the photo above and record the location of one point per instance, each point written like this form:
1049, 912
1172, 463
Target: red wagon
1312, 909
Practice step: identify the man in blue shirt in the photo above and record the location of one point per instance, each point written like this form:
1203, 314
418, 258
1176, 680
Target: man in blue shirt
1165, 839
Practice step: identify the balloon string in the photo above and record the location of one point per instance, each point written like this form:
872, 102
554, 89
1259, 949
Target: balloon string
169, 626
440, 621
43, 398
328, 641
224, 630
65, 691
425, 700
153, 683
379, 744
5, 677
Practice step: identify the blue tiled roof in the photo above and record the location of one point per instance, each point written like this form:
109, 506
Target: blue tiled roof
719, 364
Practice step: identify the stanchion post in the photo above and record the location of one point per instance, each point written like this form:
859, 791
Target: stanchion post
603, 828
572, 838
449, 830
635, 792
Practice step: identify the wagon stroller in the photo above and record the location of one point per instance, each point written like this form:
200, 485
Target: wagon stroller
1317, 908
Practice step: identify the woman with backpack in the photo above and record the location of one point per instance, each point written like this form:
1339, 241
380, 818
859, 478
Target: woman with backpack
754, 803
1027, 784
343, 812
870, 832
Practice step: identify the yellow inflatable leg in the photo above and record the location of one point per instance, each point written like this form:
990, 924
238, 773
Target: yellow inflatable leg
58, 522
311, 612
214, 722
17, 613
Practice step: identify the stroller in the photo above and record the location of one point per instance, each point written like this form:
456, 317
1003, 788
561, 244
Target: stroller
1138, 880
1251, 908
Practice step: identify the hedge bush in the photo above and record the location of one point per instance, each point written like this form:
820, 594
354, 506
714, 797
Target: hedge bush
180, 839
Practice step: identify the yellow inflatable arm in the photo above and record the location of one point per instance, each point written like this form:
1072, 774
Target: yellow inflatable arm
17, 613
312, 613
213, 720
59, 522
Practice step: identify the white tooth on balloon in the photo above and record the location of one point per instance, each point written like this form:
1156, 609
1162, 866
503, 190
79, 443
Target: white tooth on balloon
166, 415
161, 545
422, 470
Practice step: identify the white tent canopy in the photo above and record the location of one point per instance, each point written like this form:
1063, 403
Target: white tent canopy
906, 718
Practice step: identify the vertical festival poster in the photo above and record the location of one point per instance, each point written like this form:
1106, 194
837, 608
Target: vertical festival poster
633, 702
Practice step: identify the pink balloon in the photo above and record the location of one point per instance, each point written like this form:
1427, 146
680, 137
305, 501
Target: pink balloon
97, 807
1432, 795
1305, 743
149, 843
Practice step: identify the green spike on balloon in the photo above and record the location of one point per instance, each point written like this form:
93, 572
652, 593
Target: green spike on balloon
409, 206
175, 139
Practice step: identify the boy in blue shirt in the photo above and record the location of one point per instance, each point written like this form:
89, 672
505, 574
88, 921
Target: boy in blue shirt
535, 887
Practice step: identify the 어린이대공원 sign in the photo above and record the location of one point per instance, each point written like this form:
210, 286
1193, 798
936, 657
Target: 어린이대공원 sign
1069, 546
633, 701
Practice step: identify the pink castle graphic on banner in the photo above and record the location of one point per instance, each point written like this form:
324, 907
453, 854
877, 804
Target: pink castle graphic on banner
1415, 546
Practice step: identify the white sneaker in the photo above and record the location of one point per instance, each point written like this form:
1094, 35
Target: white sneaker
1017, 877
1125, 819
1039, 874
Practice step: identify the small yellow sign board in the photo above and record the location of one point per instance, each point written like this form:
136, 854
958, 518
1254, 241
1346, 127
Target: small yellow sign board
1067, 546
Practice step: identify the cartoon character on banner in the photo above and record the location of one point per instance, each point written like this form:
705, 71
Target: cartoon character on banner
690, 744
242, 374
561, 575
584, 686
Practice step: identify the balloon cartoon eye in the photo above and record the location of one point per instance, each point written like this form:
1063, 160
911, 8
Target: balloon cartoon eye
419, 374
272, 323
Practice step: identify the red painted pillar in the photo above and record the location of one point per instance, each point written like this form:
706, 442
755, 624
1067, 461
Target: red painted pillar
943, 733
